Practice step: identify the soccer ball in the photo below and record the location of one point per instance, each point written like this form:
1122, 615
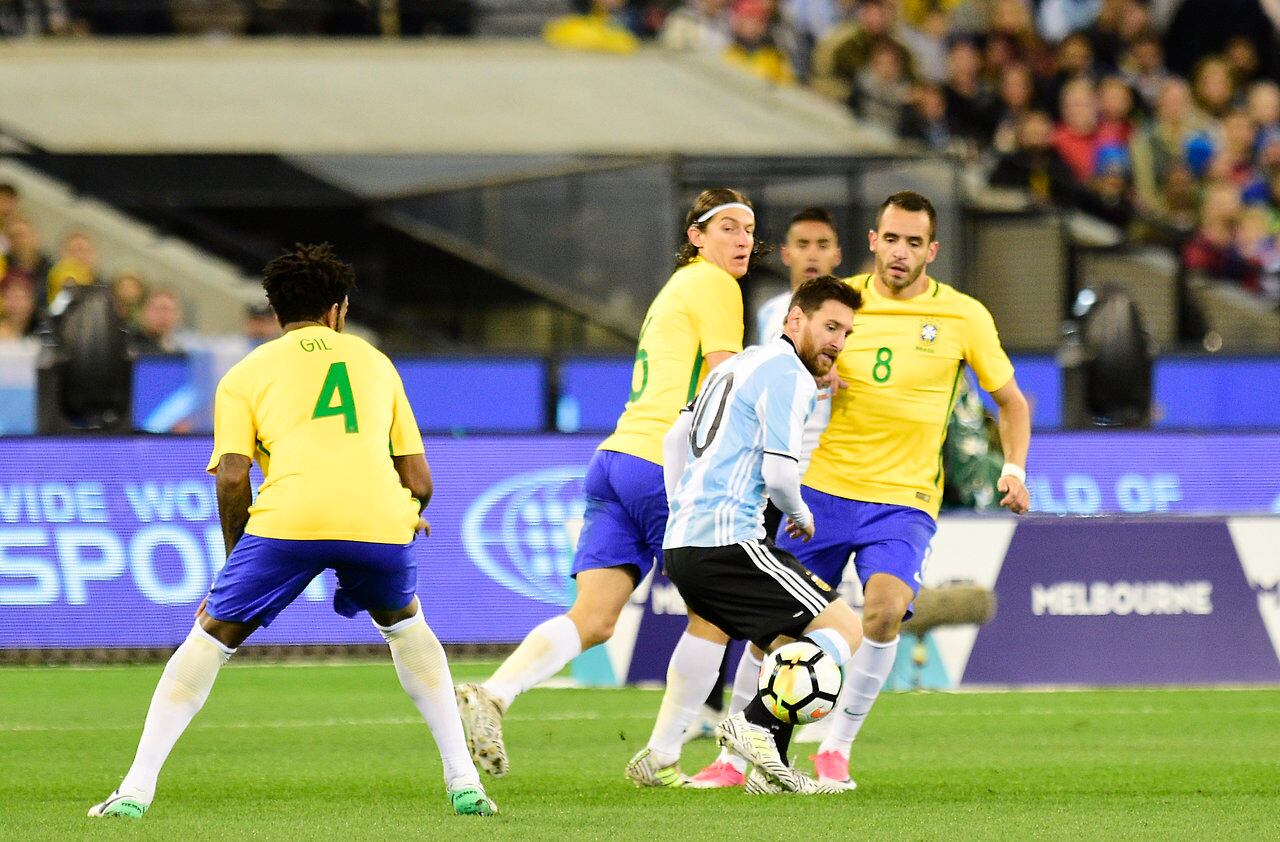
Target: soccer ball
799, 682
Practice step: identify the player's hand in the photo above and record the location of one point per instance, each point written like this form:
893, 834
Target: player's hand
423, 527
829, 384
1016, 497
804, 533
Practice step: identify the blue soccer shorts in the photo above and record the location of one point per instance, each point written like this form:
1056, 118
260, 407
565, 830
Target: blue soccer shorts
263, 575
881, 537
626, 515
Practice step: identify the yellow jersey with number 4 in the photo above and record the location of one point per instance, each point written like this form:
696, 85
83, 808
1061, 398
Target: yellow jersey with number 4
323, 413
697, 312
902, 365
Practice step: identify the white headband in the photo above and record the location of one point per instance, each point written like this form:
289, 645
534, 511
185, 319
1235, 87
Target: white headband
725, 206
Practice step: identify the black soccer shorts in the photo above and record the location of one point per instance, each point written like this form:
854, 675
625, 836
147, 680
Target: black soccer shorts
751, 590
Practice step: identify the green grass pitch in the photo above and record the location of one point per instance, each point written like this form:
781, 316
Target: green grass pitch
338, 752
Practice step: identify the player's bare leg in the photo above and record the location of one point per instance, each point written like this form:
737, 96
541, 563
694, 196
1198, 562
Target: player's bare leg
181, 692
691, 673
885, 600
602, 592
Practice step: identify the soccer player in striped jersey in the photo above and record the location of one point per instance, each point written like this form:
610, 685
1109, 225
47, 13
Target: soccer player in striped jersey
693, 325
811, 248
876, 477
344, 484
738, 442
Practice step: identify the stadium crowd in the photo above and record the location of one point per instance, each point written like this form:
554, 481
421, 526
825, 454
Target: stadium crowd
35, 285
1161, 117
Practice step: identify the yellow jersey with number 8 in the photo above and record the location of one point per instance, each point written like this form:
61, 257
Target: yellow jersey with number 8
902, 364
697, 312
323, 413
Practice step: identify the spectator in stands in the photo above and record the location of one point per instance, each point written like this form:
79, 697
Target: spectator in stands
701, 25
1035, 165
600, 29
1233, 158
1241, 56
1016, 96
17, 310
809, 20
1116, 110
1104, 35
1110, 192
127, 293
881, 90
926, 119
1072, 59
1202, 27
1158, 148
158, 323
971, 105
1013, 27
25, 260
1213, 87
846, 49
1076, 136
1263, 102
77, 264
260, 324
1213, 250
926, 41
1143, 68
753, 48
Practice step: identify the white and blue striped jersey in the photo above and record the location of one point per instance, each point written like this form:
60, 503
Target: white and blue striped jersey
754, 403
769, 327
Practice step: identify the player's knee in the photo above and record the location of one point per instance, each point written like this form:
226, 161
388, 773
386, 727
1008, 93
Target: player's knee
594, 628
881, 620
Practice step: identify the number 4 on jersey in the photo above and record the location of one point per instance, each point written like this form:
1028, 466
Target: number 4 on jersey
337, 381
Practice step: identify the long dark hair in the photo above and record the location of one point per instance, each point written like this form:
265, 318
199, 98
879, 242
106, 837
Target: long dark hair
707, 200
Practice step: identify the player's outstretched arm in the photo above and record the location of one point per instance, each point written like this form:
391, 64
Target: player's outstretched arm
1015, 438
415, 475
235, 495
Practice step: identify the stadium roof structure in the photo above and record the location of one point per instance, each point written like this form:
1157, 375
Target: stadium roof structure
429, 97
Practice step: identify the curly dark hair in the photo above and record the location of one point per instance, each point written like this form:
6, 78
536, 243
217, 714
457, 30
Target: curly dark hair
813, 293
304, 283
707, 200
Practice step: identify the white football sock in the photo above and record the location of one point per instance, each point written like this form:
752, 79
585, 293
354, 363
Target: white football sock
424, 675
691, 673
179, 695
542, 654
863, 678
746, 683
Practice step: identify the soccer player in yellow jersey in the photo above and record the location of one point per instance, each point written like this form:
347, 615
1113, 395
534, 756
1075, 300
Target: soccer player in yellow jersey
693, 325
875, 481
344, 483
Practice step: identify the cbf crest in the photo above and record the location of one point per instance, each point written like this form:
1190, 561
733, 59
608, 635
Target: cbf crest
928, 332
